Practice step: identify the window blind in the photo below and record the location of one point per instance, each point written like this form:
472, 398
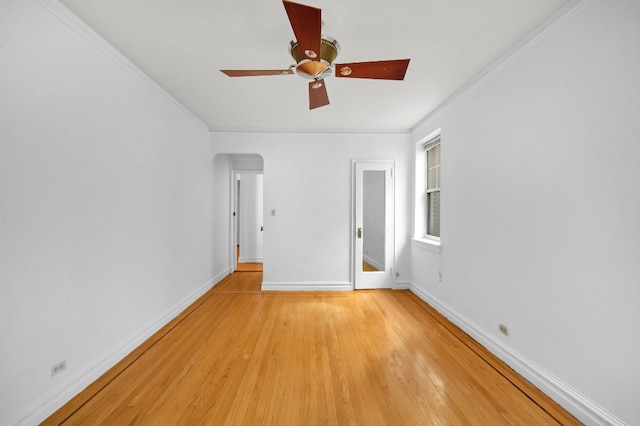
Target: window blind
431, 143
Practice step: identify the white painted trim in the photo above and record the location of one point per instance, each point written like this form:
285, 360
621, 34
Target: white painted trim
572, 400
423, 243
250, 259
222, 275
358, 131
402, 285
56, 399
233, 218
307, 286
69, 19
391, 217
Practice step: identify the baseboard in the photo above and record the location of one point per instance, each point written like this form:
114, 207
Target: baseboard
569, 398
49, 404
215, 280
306, 286
250, 259
402, 285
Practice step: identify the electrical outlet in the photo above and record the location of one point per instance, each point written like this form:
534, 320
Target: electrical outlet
503, 329
58, 368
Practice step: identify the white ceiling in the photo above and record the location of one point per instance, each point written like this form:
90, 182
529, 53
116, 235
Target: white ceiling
182, 45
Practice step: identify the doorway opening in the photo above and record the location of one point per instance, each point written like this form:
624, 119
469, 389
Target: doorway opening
246, 230
249, 219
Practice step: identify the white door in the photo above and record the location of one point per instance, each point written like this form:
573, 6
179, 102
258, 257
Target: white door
250, 217
373, 230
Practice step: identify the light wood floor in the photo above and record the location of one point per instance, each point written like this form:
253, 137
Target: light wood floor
240, 356
246, 267
367, 267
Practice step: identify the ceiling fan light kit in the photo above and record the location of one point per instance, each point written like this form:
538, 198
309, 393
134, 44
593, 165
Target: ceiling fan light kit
306, 66
306, 22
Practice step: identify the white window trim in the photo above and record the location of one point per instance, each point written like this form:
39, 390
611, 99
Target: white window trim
431, 144
430, 245
420, 238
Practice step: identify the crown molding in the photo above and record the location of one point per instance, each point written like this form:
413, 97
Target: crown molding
69, 19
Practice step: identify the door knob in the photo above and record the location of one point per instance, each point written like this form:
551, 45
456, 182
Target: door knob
359, 232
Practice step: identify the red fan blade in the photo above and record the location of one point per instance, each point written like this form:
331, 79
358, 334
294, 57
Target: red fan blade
254, 73
306, 22
381, 70
318, 94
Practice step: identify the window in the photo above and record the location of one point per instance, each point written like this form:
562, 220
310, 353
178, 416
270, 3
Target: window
426, 217
432, 188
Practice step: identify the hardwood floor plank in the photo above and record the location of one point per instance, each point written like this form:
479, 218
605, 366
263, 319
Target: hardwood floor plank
241, 356
246, 267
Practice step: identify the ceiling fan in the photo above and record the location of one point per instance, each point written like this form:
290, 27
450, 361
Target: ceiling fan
315, 54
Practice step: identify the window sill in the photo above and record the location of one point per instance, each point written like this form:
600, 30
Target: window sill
423, 243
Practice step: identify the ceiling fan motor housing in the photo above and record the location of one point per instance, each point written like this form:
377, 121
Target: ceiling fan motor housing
308, 66
315, 61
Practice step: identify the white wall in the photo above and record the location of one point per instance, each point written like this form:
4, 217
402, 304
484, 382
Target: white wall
105, 208
223, 259
307, 180
540, 209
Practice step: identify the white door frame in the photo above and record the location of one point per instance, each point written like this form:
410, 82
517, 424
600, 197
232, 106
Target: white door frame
233, 222
386, 278
243, 212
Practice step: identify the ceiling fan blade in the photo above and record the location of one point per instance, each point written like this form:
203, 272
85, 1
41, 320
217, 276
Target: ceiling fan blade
380, 70
306, 22
318, 94
255, 73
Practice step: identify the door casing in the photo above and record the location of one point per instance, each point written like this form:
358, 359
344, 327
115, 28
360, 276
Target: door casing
386, 278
